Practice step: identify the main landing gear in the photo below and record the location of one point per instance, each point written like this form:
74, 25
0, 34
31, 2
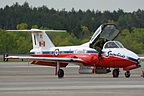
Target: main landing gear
116, 73
59, 71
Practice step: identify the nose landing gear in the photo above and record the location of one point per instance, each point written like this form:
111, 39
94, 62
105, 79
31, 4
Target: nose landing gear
127, 74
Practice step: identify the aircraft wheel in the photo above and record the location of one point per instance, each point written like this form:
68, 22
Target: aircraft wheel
127, 74
60, 73
116, 73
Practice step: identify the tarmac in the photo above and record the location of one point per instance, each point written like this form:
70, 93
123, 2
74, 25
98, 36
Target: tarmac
23, 79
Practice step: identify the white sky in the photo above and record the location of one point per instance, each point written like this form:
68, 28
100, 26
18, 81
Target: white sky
101, 5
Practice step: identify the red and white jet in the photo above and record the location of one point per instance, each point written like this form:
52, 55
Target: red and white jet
114, 55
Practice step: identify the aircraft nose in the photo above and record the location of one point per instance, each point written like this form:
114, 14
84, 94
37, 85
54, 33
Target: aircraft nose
133, 57
133, 65
139, 60
138, 63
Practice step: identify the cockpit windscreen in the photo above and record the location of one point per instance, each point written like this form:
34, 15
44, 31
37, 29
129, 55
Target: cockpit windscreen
113, 44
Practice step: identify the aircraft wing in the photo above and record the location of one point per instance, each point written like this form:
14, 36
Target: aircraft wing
36, 30
45, 58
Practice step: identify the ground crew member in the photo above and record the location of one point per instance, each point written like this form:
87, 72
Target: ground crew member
98, 45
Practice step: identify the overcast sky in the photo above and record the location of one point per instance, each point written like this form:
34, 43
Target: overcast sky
101, 5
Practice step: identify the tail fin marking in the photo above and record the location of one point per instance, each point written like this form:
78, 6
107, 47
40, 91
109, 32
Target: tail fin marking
41, 40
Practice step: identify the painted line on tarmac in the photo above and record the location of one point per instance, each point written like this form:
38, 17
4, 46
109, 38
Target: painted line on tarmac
72, 87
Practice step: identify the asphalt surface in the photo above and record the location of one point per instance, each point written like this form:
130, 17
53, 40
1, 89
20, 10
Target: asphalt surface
22, 79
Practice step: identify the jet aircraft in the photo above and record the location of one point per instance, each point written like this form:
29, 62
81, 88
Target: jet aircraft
114, 55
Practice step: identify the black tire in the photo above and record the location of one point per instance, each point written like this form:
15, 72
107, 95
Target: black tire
116, 73
127, 74
5, 59
60, 73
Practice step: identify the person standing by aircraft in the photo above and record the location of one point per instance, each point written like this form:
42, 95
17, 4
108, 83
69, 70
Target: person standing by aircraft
98, 45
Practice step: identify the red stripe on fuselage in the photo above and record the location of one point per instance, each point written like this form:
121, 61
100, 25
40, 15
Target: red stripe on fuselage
91, 60
115, 62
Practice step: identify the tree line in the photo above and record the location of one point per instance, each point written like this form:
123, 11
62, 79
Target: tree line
80, 25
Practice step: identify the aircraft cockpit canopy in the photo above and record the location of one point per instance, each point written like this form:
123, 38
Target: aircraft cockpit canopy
113, 44
109, 32
106, 31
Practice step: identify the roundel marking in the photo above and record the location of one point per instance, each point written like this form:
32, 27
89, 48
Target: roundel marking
56, 52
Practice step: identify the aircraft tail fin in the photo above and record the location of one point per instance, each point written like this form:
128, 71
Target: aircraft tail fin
40, 39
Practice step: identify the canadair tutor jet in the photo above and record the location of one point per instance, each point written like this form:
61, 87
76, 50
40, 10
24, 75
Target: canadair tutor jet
114, 55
